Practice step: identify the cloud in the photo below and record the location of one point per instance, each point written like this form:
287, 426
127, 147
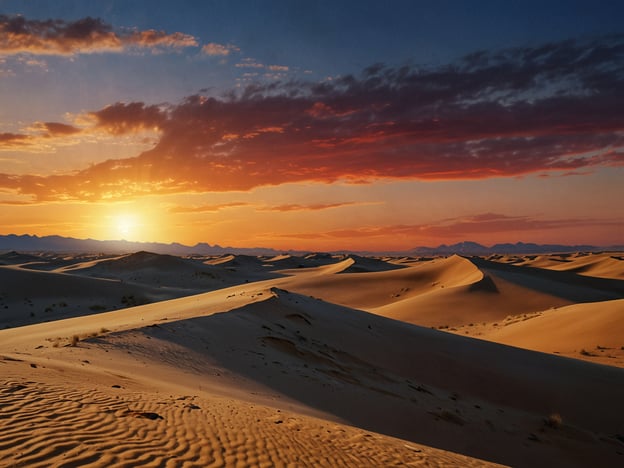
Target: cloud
214, 49
39, 136
312, 207
110, 122
249, 63
10, 140
459, 228
555, 108
121, 118
206, 208
15, 203
83, 36
56, 128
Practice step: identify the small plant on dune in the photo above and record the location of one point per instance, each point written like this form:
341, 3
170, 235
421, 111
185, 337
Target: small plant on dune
74, 340
554, 421
104, 330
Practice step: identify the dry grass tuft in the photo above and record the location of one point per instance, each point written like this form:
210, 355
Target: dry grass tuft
554, 421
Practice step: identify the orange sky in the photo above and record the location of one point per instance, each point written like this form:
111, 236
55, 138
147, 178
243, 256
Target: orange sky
507, 145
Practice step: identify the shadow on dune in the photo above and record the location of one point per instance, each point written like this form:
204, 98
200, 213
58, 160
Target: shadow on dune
564, 284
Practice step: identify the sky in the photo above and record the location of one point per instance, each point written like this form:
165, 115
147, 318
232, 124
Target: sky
317, 125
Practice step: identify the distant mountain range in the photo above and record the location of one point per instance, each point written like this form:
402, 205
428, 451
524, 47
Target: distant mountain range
28, 243
473, 248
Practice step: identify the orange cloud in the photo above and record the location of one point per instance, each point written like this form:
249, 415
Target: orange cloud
312, 207
83, 36
487, 116
12, 140
38, 137
459, 228
214, 49
206, 208
56, 128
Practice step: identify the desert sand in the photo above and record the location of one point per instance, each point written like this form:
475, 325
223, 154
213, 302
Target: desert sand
319, 360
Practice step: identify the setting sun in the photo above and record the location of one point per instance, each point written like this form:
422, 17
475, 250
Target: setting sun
126, 226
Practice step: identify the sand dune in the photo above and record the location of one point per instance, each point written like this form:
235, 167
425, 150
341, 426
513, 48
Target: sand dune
457, 291
72, 286
380, 288
167, 270
17, 258
29, 296
601, 265
261, 374
593, 331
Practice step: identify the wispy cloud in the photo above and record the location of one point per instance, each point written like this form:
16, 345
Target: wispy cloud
248, 62
56, 128
83, 36
39, 136
11, 140
219, 50
310, 207
555, 108
206, 208
459, 228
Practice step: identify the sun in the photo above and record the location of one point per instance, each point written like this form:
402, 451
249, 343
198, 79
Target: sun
126, 226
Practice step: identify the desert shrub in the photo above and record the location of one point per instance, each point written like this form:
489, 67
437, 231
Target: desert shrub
554, 420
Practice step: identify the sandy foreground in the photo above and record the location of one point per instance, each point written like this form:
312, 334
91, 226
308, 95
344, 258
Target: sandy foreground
311, 361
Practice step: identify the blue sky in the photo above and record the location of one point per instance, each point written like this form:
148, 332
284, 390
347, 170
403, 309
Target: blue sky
326, 37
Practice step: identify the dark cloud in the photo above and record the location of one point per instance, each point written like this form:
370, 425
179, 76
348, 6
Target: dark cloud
86, 35
13, 139
56, 128
38, 134
556, 107
121, 118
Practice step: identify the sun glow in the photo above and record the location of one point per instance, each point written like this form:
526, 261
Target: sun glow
126, 226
